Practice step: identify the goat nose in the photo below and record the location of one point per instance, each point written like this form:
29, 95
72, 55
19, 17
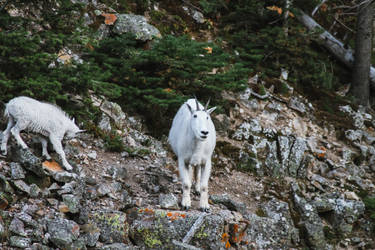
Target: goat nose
204, 132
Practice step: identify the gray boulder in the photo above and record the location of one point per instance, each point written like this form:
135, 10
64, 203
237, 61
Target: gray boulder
136, 25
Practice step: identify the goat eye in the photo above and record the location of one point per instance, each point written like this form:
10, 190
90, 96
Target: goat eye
195, 116
207, 117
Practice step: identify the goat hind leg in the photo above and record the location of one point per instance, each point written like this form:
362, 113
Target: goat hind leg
5, 135
16, 129
206, 171
44, 143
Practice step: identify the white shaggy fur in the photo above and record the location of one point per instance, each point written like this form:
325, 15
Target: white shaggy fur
193, 138
50, 121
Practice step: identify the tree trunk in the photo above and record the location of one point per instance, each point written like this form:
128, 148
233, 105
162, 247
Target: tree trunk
332, 44
362, 57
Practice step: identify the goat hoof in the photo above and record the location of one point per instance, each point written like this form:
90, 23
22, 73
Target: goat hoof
185, 208
205, 210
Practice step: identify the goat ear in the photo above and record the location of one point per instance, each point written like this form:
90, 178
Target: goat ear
190, 109
211, 110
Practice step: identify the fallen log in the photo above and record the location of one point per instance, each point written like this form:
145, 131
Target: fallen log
336, 47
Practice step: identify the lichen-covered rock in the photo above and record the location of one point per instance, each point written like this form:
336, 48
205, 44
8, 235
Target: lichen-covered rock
28, 160
113, 225
247, 129
310, 221
273, 228
273, 166
343, 212
285, 143
297, 104
172, 230
296, 155
62, 232
136, 25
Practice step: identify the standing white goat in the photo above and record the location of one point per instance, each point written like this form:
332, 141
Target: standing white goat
50, 121
193, 139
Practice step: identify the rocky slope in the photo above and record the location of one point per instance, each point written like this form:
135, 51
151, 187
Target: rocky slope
301, 189
284, 176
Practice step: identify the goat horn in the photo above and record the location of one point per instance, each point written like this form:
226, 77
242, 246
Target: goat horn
208, 102
196, 102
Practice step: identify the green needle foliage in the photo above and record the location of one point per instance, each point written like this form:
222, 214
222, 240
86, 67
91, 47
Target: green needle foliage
156, 81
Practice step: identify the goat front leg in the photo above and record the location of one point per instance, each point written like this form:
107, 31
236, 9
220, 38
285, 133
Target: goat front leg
56, 142
198, 172
206, 171
185, 176
6, 134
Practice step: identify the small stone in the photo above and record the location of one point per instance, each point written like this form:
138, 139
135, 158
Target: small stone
105, 123
17, 227
63, 208
21, 242
353, 135
91, 234
17, 172
21, 185
352, 196
118, 173
168, 201
117, 246
64, 176
3, 231
34, 190
92, 155
103, 189
72, 202
26, 218
38, 246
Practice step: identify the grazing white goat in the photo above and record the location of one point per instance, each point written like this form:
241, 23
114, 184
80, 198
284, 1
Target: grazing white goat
50, 121
193, 139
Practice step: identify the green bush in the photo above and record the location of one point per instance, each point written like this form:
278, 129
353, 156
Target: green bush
161, 78
370, 206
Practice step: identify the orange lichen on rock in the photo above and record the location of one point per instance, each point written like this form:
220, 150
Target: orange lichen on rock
52, 166
224, 237
110, 19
